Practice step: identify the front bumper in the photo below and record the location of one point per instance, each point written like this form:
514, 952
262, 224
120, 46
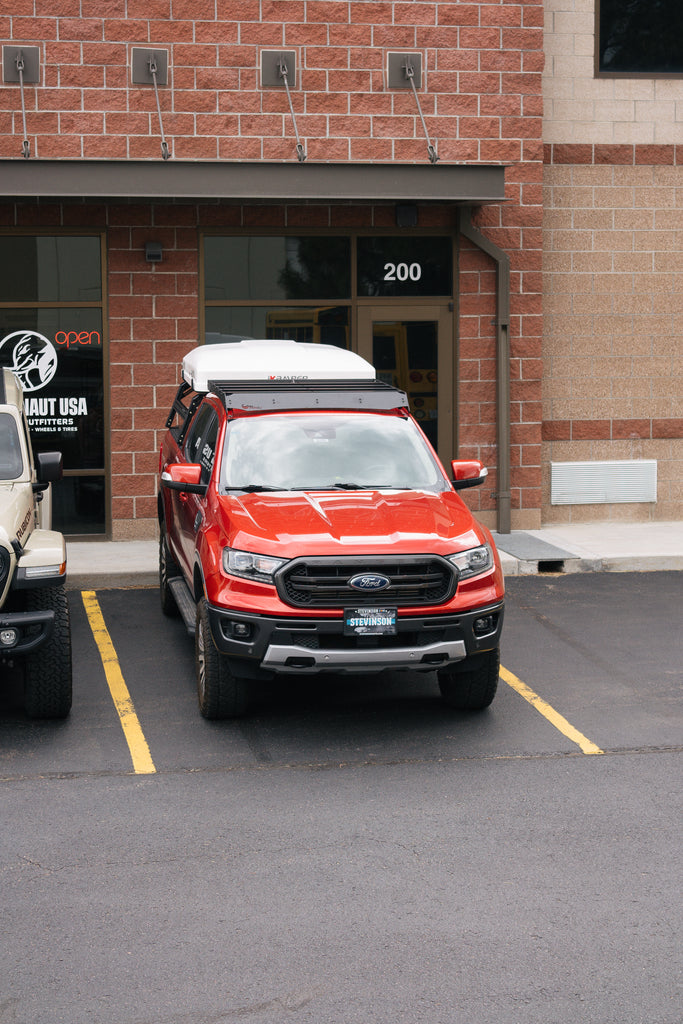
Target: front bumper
310, 645
31, 629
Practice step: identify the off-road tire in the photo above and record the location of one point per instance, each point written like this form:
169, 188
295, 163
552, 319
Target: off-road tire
47, 670
168, 570
220, 694
472, 687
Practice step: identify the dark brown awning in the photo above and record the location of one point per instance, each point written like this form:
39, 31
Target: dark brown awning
175, 179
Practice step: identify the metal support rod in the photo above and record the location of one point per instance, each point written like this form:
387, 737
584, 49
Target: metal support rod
282, 71
25, 146
502, 260
410, 75
153, 68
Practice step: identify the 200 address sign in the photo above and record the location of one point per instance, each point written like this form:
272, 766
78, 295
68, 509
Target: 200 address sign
402, 271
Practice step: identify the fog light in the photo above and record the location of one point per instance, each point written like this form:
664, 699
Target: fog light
242, 630
483, 625
9, 637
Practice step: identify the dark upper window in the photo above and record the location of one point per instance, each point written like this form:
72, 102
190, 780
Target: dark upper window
278, 267
402, 265
50, 268
640, 37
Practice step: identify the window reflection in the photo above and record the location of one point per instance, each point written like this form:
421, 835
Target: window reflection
328, 325
50, 268
277, 267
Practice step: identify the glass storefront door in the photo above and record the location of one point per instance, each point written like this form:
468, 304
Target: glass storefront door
411, 347
52, 335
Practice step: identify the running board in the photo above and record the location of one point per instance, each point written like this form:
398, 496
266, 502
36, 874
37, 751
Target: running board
183, 599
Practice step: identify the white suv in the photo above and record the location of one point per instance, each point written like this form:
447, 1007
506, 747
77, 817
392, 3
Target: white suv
34, 615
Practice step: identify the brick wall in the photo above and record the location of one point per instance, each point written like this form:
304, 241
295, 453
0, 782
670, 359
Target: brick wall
481, 97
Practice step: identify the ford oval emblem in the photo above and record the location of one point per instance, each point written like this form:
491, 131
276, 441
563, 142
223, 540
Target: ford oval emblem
369, 581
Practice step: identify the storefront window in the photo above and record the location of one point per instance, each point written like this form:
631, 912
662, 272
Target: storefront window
268, 267
50, 268
247, 277
405, 266
326, 324
57, 351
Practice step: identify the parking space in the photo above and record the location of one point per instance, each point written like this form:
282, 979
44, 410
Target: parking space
605, 649
601, 651
353, 850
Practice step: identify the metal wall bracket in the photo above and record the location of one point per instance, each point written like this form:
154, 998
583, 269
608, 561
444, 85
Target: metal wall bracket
142, 60
31, 69
271, 68
404, 71
278, 68
397, 64
21, 64
150, 67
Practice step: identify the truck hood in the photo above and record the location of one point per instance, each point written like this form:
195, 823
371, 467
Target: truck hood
350, 522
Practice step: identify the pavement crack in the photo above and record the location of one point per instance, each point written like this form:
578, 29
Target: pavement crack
337, 765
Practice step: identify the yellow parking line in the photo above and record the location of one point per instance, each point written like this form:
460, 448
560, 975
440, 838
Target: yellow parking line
137, 744
554, 717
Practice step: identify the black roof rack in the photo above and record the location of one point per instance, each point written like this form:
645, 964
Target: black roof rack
184, 412
260, 395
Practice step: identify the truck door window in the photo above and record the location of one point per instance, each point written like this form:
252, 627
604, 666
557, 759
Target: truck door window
200, 444
10, 448
207, 447
191, 449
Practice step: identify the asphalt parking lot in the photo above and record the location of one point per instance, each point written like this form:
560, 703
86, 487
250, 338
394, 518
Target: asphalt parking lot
353, 851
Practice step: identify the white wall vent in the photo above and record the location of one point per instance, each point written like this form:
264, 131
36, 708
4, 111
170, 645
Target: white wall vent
590, 483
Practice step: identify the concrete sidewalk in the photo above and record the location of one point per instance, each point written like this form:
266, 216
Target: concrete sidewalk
584, 547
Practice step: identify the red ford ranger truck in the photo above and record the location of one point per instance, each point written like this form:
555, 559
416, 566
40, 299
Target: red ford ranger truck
307, 526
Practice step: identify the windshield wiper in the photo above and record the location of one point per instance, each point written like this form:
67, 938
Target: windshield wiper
369, 487
350, 487
328, 487
252, 488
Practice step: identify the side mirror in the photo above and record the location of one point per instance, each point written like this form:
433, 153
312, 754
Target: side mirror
49, 468
468, 473
183, 478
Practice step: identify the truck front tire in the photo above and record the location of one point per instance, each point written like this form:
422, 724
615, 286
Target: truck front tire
472, 687
219, 692
47, 670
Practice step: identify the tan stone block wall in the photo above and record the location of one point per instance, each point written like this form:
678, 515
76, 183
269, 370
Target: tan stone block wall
613, 326
578, 107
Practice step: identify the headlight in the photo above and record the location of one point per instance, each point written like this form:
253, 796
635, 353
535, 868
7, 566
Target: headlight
473, 561
251, 566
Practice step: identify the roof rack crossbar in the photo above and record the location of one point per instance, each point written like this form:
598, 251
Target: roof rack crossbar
252, 396
302, 385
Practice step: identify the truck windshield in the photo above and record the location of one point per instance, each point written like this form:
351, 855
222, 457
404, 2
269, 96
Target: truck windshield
326, 451
10, 450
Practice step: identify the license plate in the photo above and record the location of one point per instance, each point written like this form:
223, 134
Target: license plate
369, 621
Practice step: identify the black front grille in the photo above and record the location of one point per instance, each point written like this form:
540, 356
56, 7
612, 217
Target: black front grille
324, 583
5, 561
